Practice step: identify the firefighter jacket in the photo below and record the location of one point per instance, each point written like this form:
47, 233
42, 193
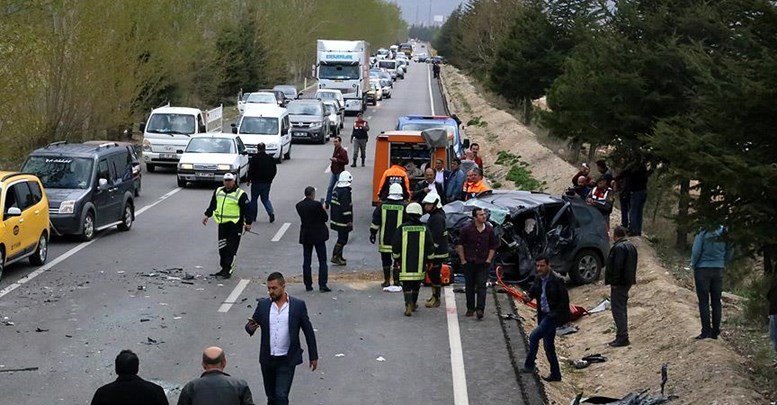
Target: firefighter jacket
436, 224
386, 218
394, 174
412, 246
341, 211
229, 206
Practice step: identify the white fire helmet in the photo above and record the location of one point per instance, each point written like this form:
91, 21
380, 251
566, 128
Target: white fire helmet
345, 179
395, 192
414, 209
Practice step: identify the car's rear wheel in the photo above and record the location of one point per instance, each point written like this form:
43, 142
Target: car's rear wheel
586, 268
127, 218
2, 262
151, 168
87, 227
41, 251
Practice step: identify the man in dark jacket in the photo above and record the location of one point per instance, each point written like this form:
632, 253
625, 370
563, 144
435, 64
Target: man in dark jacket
361, 134
338, 161
261, 172
436, 224
214, 385
341, 210
129, 389
552, 311
427, 186
620, 275
313, 234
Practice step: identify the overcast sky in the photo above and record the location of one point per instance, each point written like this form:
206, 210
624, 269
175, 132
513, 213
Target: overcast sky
417, 11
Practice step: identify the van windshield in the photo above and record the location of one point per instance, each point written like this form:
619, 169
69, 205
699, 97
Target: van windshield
338, 72
61, 172
387, 64
182, 124
211, 145
259, 126
304, 109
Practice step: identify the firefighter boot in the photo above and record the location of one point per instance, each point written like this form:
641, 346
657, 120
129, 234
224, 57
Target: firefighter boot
337, 255
434, 300
408, 303
415, 300
386, 276
396, 276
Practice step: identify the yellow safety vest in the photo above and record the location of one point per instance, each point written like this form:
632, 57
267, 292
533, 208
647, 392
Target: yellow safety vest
227, 206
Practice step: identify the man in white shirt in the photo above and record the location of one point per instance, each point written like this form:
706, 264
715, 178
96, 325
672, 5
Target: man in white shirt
281, 317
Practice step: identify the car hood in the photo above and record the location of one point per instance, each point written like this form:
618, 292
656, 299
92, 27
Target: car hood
305, 118
255, 139
208, 158
501, 204
57, 195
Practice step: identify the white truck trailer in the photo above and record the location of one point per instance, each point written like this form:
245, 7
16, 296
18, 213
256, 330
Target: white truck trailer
344, 66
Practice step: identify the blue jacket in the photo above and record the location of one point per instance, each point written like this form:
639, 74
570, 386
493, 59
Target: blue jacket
709, 251
298, 319
455, 185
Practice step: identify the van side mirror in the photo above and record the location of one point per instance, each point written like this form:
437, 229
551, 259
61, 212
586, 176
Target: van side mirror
465, 143
13, 212
142, 127
102, 184
234, 129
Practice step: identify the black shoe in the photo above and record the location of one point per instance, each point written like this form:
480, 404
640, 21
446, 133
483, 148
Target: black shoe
272, 218
308, 288
714, 336
619, 343
469, 313
527, 370
324, 289
479, 313
226, 275
702, 336
222, 273
551, 378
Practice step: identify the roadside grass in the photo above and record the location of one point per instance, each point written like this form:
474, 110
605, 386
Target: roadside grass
518, 172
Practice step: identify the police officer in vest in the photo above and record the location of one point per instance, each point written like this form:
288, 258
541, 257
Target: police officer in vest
412, 246
386, 218
439, 231
229, 208
341, 213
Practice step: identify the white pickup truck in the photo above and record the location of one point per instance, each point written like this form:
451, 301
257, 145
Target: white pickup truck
168, 130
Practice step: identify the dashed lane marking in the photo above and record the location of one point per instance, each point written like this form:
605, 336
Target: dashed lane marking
234, 295
429, 80
281, 232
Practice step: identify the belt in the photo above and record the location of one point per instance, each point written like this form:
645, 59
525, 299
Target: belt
279, 357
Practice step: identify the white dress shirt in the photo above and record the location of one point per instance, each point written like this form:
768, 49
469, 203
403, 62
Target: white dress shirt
279, 329
439, 177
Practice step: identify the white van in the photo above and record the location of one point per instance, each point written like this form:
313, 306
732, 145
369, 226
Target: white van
390, 65
268, 124
168, 130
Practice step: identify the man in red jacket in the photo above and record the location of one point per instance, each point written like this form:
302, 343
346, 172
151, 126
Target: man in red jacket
339, 159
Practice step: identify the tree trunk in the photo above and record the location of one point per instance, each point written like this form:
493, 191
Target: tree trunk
527, 111
682, 214
591, 153
575, 145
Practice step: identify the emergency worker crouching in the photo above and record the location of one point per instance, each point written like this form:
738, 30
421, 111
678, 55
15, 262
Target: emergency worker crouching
412, 246
386, 218
341, 213
436, 225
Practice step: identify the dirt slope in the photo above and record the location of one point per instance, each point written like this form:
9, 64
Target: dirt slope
663, 317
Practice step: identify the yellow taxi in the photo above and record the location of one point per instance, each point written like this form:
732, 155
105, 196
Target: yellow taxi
24, 220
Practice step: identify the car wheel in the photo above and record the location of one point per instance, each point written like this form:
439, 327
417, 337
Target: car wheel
127, 218
87, 227
41, 251
2, 263
151, 168
586, 267
287, 156
324, 138
181, 183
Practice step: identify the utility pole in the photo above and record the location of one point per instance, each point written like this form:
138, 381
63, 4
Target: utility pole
431, 19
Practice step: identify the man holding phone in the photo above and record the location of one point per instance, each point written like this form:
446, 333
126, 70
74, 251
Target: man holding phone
281, 317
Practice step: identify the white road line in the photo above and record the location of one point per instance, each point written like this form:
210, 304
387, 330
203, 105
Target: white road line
460, 395
429, 80
5, 291
279, 234
241, 285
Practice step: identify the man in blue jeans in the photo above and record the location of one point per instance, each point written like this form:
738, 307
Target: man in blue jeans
552, 311
709, 256
261, 172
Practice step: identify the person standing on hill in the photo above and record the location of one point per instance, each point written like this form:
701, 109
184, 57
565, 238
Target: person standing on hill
620, 275
709, 256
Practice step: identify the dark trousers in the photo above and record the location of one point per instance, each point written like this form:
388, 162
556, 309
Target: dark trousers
545, 331
386, 260
636, 206
709, 287
260, 191
620, 298
625, 200
342, 237
307, 256
434, 272
475, 276
278, 375
331, 186
411, 289
229, 240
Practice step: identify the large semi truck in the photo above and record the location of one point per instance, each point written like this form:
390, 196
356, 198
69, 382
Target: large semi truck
344, 66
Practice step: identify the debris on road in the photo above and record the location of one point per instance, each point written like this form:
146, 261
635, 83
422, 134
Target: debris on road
149, 341
41, 330
12, 370
381, 358
603, 306
339, 355
392, 289
634, 398
144, 319
566, 330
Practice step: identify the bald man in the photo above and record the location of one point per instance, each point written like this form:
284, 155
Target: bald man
215, 387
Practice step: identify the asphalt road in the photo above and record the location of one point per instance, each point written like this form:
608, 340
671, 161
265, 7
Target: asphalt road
70, 318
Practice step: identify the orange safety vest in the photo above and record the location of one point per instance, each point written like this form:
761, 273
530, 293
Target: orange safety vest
394, 174
471, 190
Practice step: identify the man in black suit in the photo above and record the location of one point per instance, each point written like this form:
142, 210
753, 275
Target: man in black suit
214, 385
281, 317
428, 185
313, 233
129, 389
552, 311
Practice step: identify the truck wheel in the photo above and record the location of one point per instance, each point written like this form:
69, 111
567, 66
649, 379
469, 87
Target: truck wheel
151, 168
41, 251
586, 267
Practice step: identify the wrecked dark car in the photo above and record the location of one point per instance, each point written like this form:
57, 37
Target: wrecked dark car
528, 224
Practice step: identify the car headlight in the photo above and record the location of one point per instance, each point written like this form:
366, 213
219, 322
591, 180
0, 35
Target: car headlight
315, 124
186, 166
67, 206
224, 167
146, 145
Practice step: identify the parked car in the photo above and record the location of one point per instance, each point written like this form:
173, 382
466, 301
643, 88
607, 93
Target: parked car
572, 233
24, 220
261, 97
290, 91
280, 96
207, 158
137, 173
386, 86
241, 102
334, 112
89, 187
309, 120
268, 124
326, 94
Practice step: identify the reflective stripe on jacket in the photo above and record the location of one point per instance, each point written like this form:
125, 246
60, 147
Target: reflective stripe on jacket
412, 246
341, 209
386, 219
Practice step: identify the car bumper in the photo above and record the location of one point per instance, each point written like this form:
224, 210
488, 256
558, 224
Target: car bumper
307, 133
202, 175
274, 152
65, 224
161, 158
